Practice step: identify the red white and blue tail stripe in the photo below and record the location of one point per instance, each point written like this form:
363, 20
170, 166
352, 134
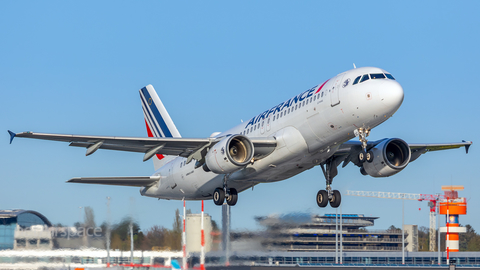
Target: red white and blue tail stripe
157, 119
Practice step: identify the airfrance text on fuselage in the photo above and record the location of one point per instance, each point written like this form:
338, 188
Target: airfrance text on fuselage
286, 104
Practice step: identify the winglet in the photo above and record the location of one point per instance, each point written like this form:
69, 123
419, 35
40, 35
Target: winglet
467, 146
12, 135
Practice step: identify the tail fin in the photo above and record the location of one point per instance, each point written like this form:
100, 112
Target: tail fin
157, 120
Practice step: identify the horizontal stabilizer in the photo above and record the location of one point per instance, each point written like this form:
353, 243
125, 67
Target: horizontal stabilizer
132, 181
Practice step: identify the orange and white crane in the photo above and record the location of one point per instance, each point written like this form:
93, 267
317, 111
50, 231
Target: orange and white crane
431, 198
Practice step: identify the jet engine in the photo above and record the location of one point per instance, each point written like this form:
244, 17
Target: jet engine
389, 157
230, 154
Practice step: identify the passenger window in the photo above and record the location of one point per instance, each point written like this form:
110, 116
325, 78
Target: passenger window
263, 122
377, 76
288, 110
258, 125
364, 78
356, 80
251, 129
310, 99
315, 98
296, 106
255, 128
322, 94
389, 76
307, 102
247, 131
303, 103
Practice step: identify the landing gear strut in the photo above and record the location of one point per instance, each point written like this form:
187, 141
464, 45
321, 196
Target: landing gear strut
362, 134
220, 194
329, 168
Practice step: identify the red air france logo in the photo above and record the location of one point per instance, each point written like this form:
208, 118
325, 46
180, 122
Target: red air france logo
150, 134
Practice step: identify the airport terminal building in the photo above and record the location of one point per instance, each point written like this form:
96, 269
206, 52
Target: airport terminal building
24, 229
305, 232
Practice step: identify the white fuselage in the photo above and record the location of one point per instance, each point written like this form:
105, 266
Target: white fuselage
308, 128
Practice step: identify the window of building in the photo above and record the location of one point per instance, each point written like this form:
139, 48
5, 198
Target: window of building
44, 242
21, 242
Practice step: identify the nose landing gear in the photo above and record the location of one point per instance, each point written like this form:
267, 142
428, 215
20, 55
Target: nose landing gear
362, 134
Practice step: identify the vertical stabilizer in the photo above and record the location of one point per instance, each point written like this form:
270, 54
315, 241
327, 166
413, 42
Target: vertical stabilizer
157, 120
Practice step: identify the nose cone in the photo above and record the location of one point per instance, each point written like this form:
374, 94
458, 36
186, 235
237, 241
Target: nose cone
391, 93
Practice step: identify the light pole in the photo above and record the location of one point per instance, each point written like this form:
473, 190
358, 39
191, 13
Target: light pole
80, 215
403, 231
108, 231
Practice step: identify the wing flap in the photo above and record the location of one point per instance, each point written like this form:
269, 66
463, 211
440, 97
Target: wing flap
131, 181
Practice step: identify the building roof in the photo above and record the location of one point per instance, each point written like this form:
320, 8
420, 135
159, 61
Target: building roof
16, 212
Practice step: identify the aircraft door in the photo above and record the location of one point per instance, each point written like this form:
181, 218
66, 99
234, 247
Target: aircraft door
269, 122
335, 91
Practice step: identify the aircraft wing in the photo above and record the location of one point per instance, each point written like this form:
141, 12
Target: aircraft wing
418, 149
132, 181
349, 150
184, 147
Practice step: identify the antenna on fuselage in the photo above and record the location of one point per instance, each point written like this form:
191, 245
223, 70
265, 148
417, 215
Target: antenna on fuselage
354, 65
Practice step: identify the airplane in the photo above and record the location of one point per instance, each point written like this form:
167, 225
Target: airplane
313, 128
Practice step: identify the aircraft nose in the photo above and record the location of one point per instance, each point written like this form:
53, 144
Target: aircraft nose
392, 94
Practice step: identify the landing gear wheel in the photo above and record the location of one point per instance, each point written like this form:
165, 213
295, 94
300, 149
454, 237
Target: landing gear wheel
322, 198
233, 197
369, 156
218, 196
362, 157
336, 199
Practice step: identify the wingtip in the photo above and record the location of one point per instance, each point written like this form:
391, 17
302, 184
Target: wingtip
12, 135
71, 180
468, 145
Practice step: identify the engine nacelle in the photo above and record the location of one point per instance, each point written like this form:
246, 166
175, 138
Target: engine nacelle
230, 154
390, 157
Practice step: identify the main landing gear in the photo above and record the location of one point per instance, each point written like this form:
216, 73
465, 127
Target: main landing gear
329, 168
363, 156
222, 194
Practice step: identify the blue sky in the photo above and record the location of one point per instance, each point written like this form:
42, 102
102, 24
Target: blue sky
76, 67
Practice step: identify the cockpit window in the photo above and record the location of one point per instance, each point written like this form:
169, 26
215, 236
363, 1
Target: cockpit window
364, 78
377, 76
389, 76
356, 80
